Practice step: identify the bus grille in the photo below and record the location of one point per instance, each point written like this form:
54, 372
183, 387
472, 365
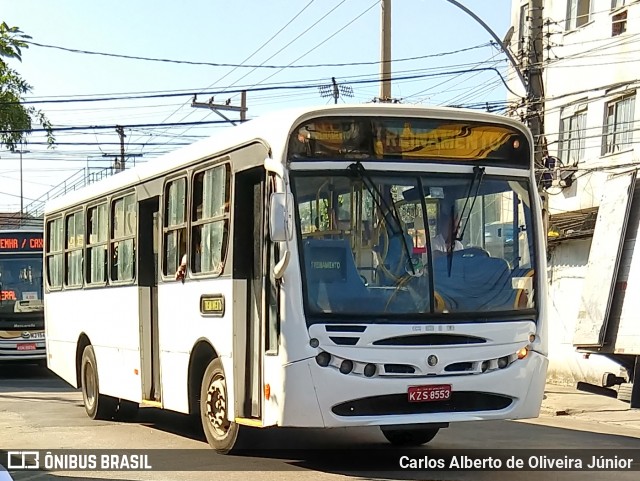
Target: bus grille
395, 404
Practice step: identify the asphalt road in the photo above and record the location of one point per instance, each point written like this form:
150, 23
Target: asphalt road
39, 411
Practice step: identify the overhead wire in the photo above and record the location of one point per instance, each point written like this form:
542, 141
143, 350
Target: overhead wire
238, 66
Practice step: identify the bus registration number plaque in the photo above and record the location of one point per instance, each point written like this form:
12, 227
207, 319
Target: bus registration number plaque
27, 347
212, 305
436, 392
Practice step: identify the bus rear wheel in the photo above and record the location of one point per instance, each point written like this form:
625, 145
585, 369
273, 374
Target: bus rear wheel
408, 437
222, 434
97, 406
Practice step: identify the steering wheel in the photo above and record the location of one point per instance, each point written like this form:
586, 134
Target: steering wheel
420, 301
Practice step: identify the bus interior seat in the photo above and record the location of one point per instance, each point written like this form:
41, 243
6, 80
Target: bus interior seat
334, 283
475, 282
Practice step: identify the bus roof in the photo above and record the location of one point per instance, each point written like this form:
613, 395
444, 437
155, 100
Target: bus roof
22, 230
273, 129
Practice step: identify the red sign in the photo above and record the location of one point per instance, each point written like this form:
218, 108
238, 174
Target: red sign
438, 392
21, 242
27, 347
7, 295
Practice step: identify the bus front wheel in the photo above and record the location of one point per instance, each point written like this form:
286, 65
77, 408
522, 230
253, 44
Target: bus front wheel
408, 437
222, 434
97, 406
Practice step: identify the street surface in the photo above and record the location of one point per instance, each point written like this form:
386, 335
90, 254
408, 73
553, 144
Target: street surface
39, 411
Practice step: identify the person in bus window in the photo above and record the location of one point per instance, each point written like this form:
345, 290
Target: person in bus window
182, 269
445, 239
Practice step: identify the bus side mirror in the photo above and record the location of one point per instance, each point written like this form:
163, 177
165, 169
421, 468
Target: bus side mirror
280, 218
281, 227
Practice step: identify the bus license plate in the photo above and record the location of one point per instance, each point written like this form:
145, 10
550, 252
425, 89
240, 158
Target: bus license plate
27, 347
439, 392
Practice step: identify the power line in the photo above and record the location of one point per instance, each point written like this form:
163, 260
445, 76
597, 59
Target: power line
253, 66
228, 73
105, 127
276, 88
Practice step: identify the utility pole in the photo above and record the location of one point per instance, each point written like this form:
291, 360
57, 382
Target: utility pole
226, 106
21, 151
385, 52
535, 96
120, 130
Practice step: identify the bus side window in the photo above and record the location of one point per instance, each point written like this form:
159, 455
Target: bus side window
123, 231
74, 249
210, 218
54, 253
97, 239
175, 225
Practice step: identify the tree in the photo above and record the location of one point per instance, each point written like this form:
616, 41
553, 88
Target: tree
15, 118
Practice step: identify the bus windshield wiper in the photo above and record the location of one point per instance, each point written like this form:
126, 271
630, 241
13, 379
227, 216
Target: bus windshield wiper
478, 174
387, 210
458, 234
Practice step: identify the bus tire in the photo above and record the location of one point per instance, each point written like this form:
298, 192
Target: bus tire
408, 437
221, 434
97, 406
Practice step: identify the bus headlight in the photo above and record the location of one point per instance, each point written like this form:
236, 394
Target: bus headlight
370, 370
346, 367
503, 362
522, 353
323, 359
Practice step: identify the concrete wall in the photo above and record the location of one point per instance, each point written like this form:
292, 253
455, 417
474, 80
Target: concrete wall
566, 273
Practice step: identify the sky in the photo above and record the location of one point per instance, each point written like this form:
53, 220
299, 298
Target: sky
268, 45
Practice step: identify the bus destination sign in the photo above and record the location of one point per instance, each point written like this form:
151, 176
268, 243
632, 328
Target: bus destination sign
20, 242
212, 305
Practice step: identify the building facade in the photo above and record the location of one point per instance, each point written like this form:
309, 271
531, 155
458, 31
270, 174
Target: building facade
591, 72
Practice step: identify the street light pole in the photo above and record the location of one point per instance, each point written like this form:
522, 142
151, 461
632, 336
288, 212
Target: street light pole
21, 182
21, 196
503, 47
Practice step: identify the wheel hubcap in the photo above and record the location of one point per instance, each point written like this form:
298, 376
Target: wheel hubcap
90, 384
216, 406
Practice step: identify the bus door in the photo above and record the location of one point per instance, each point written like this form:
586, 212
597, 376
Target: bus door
249, 268
148, 247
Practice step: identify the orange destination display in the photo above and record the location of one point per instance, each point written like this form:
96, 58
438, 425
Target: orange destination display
20, 242
373, 138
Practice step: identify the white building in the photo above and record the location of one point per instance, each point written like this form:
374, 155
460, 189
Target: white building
591, 74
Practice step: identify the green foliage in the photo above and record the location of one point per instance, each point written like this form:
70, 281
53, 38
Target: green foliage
15, 118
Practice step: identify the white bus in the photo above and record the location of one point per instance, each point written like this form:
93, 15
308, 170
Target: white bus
335, 274
21, 296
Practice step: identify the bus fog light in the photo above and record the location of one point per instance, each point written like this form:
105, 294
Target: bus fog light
503, 362
370, 370
314, 342
485, 366
323, 359
522, 353
346, 366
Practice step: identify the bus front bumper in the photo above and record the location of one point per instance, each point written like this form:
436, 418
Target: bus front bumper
324, 397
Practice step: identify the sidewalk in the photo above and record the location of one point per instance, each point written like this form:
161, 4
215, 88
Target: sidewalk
568, 401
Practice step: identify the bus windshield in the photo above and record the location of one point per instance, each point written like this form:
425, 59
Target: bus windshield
21, 283
383, 245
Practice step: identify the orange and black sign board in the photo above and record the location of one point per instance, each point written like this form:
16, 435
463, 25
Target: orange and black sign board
212, 305
20, 242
